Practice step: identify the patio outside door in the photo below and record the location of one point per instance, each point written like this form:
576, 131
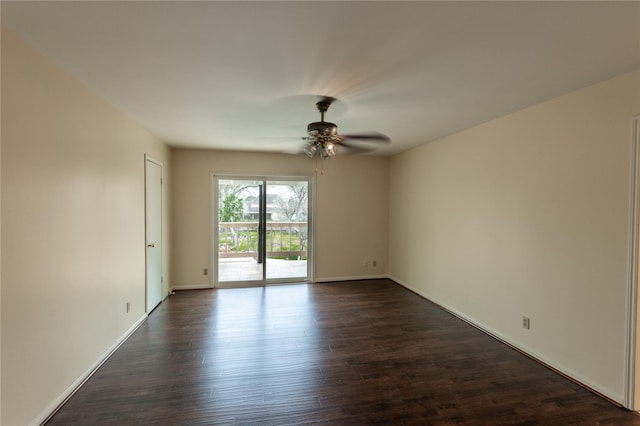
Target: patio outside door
262, 230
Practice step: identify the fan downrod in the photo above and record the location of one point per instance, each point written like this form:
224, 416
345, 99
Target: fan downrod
323, 105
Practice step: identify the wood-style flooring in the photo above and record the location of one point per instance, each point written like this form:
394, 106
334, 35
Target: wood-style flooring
350, 353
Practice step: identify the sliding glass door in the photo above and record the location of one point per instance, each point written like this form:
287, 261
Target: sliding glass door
262, 230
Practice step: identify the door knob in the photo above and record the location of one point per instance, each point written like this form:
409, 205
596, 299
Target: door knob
151, 245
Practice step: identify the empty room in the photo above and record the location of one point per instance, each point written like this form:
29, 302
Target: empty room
319, 212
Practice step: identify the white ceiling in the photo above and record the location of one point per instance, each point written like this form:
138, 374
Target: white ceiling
241, 75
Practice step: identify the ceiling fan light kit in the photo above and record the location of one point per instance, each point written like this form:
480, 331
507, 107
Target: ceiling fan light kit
323, 149
310, 150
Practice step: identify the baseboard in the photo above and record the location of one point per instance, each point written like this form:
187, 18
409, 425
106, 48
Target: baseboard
239, 284
259, 284
48, 412
190, 287
352, 278
575, 377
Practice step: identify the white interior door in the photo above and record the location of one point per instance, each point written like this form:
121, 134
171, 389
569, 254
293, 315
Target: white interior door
153, 227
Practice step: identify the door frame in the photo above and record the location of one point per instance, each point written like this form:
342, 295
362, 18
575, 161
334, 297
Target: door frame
632, 379
149, 159
213, 222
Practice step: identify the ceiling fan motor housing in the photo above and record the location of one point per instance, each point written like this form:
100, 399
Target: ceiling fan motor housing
323, 128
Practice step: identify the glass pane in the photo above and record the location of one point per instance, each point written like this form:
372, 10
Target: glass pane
238, 224
287, 232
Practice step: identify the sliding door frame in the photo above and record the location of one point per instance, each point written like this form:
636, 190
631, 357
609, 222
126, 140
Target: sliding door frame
214, 216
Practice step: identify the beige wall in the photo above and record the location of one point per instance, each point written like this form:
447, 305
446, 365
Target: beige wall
351, 210
528, 215
73, 229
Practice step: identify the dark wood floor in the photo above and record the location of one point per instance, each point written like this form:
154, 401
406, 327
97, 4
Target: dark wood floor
367, 352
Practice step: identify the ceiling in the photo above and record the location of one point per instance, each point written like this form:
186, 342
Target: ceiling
246, 75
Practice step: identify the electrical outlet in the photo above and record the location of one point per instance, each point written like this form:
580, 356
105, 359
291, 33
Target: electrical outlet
374, 263
526, 323
205, 271
128, 307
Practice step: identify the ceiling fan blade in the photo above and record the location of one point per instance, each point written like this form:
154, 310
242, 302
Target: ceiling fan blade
368, 137
281, 139
348, 148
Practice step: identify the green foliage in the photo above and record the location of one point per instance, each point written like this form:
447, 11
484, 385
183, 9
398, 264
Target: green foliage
246, 240
231, 210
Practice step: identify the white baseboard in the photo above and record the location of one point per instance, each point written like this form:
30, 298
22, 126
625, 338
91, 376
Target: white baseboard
239, 284
563, 370
352, 278
48, 412
190, 287
259, 284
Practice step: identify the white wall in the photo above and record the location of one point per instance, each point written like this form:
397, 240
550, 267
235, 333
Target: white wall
73, 234
528, 215
351, 200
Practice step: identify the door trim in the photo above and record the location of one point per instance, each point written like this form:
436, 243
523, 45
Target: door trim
632, 273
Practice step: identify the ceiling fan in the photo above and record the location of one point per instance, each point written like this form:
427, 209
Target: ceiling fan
323, 138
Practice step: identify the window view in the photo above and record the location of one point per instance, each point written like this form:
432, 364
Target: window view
262, 230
